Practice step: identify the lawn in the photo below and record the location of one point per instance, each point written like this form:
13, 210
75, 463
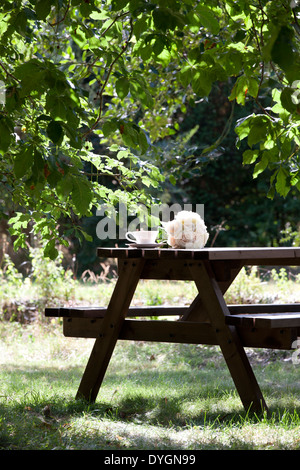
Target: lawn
154, 396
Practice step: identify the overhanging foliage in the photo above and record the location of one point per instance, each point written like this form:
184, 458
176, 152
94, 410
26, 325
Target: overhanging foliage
117, 71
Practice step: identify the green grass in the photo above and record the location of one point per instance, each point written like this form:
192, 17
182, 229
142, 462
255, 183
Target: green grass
154, 396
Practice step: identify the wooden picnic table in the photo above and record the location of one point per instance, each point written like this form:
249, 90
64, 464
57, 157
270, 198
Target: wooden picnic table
208, 320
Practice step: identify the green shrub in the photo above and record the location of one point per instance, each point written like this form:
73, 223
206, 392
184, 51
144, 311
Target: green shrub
248, 288
49, 276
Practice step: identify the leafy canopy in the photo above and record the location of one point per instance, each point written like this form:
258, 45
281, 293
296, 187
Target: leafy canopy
116, 72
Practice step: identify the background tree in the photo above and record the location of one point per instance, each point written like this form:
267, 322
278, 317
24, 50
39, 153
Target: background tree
93, 87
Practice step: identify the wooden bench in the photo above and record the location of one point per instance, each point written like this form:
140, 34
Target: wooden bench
259, 325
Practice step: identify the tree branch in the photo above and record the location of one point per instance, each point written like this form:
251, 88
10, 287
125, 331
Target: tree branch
64, 17
101, 92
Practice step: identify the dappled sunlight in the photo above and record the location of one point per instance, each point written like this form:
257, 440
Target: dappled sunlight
154, 396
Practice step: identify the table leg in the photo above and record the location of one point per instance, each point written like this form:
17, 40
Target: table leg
228, 339
129, 275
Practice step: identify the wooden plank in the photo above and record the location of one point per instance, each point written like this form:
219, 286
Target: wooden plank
178, 269
228, 339
99, 312
153, 311
149, 253
277, 338
166, 269
226, 270
263, 308
225, 275
146, 330
269, 320
76, 312
264, 316
168, 331
254, 255
110, 329
188, 332
196, 311
269, 261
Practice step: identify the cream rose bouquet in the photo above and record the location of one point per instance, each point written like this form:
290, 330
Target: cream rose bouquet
187, 230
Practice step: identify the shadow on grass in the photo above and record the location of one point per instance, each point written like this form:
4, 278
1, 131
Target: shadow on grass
145, 410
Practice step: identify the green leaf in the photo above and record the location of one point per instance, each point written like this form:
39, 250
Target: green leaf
202, 82
232, 62
142, 141
55, 131
260, 166
81, 195
282, 185
242, 128
186, 75
250, 156
122, 87
109, 127
56, 106
129, 134
286, 99
86, 236
6, 136
271, 192
140, 26
79, 37
64, 187
21, 22
18, 222
253, 87
50, 251
32, 75
166, 18
283, 50
172, 180
23, 162
243, 86
43, 8
208, 19
119, 4
43, 117
99, 15
258, 130
140, 92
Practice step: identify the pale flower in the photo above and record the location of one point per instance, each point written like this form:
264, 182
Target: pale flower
187, 230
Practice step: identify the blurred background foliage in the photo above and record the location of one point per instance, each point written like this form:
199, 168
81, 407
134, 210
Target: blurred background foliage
237, 210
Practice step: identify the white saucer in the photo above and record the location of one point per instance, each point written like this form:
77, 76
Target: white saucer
144, 245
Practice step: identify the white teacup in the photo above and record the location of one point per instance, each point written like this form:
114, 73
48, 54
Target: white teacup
142, 237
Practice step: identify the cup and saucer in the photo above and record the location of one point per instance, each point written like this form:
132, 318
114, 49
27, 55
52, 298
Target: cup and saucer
143, 239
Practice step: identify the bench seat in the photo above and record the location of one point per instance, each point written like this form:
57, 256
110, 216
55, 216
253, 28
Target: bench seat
248, 316
99, 312
276, 330
266, 316
262, 320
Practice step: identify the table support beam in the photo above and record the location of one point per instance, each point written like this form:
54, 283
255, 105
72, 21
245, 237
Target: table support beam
109, 332
227, 337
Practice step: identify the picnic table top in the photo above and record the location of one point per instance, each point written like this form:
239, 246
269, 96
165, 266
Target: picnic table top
237, 253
